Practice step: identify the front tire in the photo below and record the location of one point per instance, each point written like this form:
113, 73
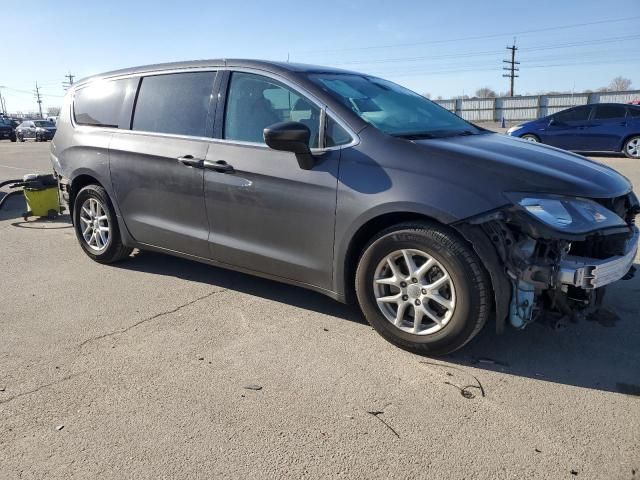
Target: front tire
632, 147
423, 288
96, 226
530, 138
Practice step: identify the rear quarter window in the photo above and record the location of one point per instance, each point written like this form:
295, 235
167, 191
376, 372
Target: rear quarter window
101, 103
175, 103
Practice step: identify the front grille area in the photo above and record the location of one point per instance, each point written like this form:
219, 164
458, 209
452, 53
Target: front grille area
601, 246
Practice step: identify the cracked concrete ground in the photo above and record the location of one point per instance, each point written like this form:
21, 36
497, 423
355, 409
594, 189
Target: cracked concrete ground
140, 371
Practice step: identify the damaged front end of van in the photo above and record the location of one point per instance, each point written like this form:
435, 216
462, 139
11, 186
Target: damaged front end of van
555, 254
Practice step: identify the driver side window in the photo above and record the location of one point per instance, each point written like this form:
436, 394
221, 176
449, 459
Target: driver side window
255, 102
580, 114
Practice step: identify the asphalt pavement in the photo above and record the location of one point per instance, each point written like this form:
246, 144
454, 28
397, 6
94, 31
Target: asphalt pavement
159, 367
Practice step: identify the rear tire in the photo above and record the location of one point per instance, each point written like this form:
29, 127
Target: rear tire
93, 212
631, 147
464, 287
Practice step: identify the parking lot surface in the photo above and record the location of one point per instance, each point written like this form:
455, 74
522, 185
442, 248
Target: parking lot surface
159, 367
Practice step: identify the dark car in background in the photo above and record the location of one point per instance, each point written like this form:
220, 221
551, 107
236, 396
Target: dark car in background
7, 129
603, 127
346, 184
38, 130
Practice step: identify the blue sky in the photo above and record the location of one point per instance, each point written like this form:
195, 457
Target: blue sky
444, 48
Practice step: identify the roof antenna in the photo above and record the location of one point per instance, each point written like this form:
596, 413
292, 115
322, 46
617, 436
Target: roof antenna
287, 57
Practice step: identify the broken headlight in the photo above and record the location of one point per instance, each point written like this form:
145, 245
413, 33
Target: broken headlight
567, 214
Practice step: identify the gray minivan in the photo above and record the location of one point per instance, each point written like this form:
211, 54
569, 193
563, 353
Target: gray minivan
346, 184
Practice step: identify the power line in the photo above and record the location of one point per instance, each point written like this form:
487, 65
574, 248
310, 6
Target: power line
477, 37
497, 69
488, 52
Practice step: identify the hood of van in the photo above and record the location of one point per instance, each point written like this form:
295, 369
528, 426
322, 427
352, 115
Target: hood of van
511, 164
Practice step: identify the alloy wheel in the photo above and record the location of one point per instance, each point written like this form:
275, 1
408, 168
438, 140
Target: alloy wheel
414, 292
633, 147
94, 224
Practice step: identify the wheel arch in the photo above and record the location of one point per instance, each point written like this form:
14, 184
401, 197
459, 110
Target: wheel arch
345, 276
77, 184
473, 236
625, 139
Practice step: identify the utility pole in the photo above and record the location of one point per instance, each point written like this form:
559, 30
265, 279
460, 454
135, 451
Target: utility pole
67, 83
3, 105
38, 99
511, 68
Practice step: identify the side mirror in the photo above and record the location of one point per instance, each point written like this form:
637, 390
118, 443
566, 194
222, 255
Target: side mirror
553, 121
291, 137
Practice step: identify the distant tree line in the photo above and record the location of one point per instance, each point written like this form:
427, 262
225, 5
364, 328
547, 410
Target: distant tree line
618, 84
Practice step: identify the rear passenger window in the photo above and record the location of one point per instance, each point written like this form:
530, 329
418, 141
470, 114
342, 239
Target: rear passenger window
604, 112
100, 103
634, 112
176, 103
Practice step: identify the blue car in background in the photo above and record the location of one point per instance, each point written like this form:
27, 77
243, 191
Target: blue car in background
603, 127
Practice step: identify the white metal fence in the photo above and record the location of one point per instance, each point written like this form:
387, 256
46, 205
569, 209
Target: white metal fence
529, 107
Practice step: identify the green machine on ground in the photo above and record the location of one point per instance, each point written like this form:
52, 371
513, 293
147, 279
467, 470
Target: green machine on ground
40, 194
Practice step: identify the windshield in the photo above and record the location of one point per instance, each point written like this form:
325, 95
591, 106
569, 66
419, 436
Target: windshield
44, 124
391, 108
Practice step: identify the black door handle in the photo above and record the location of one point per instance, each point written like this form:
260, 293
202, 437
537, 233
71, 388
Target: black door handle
218, 166
189, 161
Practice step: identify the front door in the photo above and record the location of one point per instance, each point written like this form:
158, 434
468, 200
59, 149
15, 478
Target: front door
567, 129
156, 167
266, 214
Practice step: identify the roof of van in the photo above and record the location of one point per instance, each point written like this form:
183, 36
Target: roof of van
270, 66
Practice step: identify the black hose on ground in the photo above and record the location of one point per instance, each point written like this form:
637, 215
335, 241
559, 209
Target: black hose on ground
7, 182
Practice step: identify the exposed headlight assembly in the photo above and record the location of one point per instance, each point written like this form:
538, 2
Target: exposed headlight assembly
567, 214
514, 129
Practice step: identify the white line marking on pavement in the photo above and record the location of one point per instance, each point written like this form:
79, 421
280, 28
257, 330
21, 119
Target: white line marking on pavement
19, 168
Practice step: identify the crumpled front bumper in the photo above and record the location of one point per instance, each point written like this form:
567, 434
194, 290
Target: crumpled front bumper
590, 273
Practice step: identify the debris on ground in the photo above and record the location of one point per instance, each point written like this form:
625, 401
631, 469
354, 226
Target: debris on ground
59, 427
253, 386
604, 317
377, 413
464, 391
